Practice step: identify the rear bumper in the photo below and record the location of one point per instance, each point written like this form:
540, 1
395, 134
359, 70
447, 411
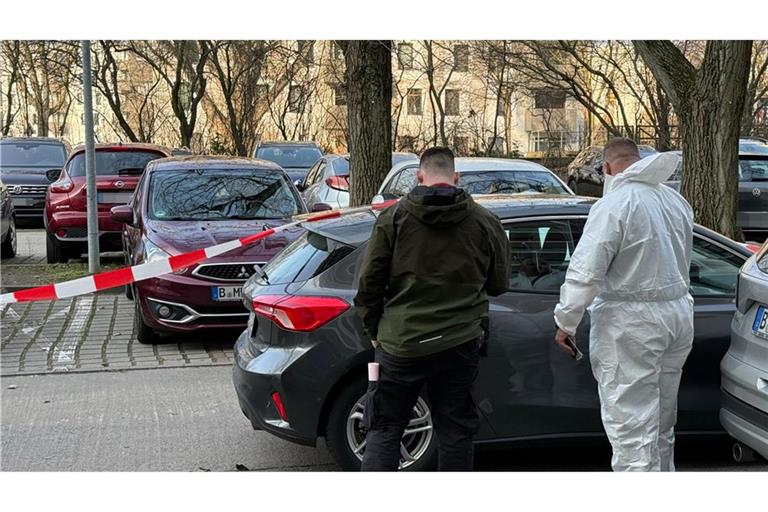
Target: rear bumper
745, 423
255, 377
77, 223
191, 301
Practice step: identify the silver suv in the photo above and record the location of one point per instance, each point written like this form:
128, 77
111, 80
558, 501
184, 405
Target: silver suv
744, 409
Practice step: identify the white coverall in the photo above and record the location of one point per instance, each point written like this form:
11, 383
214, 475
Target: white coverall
634, 260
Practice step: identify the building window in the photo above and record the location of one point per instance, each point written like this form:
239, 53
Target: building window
307, 51
461, 145
461, 57
500, 106
405, 55
549, 98
415, 107
340, 94
296, 98
496, 144
451, 102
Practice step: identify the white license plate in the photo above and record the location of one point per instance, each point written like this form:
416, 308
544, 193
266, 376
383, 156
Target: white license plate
760, 325
114, 197
226, 293
26, 201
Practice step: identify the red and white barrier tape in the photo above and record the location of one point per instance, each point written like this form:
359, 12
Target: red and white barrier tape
128, 275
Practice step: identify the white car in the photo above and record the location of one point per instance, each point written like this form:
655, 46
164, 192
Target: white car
480, 176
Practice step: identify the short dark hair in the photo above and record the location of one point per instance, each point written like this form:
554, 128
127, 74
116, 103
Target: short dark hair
438, 160
620, 148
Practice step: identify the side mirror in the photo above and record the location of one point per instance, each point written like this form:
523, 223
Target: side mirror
378, 199
321, 207
53, 174
122, 214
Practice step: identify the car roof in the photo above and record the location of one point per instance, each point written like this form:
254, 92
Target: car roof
39, 140
130, 145
212, 162
288, 143
354, 229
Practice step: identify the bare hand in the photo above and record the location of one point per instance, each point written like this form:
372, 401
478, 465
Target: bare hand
561, 338
375, 343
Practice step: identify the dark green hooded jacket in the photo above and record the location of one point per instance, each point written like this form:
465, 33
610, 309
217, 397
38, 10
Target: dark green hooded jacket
432, 260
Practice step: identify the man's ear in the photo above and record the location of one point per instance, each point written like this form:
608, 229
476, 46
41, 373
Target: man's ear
420, 176
607, 168
456, 178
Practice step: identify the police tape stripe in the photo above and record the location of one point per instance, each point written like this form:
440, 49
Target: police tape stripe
128, 275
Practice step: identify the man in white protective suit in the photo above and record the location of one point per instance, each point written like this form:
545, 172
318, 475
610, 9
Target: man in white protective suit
632, 266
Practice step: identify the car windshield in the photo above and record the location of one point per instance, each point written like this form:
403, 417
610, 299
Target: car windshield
510, 182
289, 157
114, 163
31, 154
341, 165
753, 168
216, 194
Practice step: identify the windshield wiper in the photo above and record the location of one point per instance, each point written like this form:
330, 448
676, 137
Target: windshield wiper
130, 171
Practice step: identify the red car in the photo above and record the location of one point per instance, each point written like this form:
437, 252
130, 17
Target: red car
118, 170
186, 203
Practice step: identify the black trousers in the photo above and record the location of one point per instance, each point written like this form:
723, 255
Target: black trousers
450, 378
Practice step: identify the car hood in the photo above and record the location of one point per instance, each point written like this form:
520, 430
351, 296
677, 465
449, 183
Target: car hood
25, 176
176, 237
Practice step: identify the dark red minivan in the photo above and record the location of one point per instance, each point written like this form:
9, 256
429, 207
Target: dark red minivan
183, 204
118, 169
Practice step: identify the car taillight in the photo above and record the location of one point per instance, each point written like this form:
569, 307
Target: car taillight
62, 186
299, 312
338, 182
753, 248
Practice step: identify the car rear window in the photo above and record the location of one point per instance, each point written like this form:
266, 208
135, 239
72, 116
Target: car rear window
510, 182
114, 163
289, 157
306, 257
32, 154
753, 168
216, 194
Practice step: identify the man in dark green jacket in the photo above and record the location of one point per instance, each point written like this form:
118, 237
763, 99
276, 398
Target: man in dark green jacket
431, 262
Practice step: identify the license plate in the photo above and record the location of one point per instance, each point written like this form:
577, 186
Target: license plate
25, 201
114, 197
760, 325
226, 293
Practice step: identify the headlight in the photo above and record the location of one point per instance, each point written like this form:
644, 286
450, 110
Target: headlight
152, 252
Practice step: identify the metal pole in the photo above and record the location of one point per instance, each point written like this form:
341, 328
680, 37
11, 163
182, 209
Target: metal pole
90, 156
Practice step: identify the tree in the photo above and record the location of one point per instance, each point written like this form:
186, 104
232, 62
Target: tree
757, 90
368, 80
11, 59
181, 65
709, 102
237, 67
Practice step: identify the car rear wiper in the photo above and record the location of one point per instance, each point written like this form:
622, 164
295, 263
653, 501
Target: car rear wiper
130, 171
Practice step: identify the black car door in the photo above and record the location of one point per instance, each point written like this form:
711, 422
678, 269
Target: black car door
527, 385
593, 175
714, 272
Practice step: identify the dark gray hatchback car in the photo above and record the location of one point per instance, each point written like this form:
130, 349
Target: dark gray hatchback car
299, 367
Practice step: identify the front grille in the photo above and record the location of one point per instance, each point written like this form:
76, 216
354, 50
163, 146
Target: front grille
27, 190
227, 272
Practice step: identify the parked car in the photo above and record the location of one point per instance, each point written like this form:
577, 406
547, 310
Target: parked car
480, 176
752, 214
296, 158
300, 366
118, 169
326, 185
744, 410
188, 203
7, 224
24, 162
585, 172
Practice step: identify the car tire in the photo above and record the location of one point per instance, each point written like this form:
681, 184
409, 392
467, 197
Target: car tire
9, 245
573, 186
339, 445
129, 291
144, 333
54, 252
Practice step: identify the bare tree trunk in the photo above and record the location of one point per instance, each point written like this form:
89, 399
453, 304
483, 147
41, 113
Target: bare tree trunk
709, 103
369, 110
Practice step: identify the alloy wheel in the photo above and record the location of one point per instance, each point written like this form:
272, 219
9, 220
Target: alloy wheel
416, 438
